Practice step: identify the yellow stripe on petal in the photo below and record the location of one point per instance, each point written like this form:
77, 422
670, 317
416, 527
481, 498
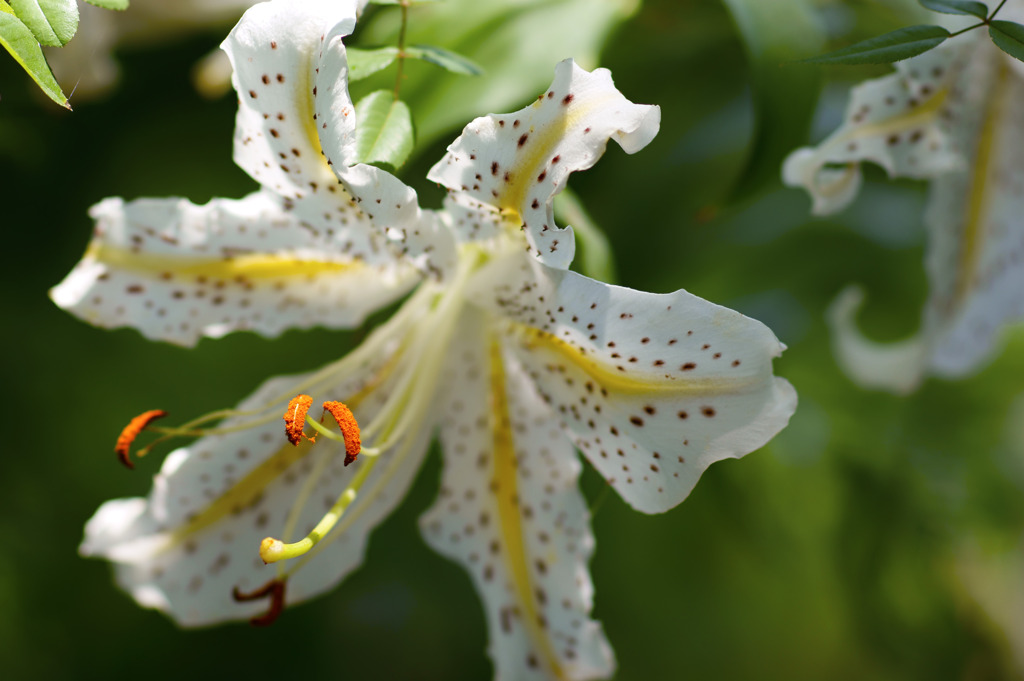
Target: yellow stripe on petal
505, 475
250, 267
539, 147
978, 199
622, 381
246, 492
913, 119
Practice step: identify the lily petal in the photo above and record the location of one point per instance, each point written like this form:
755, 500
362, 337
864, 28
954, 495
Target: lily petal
902, 122
510, 512
176, 271
895, 367
295, 130
517, 162
197, 537
273, 51
975, 256
653, 387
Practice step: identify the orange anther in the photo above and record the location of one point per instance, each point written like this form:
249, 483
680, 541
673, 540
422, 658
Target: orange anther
274, 589
295, 418
132, 430
349, 429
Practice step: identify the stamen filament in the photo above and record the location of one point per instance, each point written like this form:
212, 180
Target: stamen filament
327, 432
186, 430
338, 437
366, 350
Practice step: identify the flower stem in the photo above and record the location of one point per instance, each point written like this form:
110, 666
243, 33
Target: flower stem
404, 4
983, 22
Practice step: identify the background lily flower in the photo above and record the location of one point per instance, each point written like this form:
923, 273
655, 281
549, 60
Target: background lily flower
950, 116
516, 362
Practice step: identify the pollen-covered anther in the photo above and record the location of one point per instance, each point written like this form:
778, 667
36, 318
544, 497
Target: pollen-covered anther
132, 430
295, 418
348, 426
274, 590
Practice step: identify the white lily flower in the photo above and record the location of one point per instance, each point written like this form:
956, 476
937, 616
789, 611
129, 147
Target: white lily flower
952, 116
514, 362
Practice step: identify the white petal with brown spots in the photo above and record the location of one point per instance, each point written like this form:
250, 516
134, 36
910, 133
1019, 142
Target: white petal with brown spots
517, 162
654, 388
975, 223
510, 512
177, 271
295, 130
902, 122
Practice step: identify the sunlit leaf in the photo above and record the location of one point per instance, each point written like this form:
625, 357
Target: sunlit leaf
884, 49
384, 132
446, 59
956, 7
516, 42
18, 39
1008, 37
52, 22
784, 96
362, 63
110, 4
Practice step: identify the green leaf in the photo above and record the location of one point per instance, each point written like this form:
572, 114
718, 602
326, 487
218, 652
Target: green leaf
1008, 37
383, 129
492, 34
446, 59
884, 49
363, 63
784, 96
976, 9
118, 5
597, 257
53, 22
18, 39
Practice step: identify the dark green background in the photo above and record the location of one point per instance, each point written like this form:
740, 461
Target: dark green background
831, 553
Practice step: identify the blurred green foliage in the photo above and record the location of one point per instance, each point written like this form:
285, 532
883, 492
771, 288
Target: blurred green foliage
831, 553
